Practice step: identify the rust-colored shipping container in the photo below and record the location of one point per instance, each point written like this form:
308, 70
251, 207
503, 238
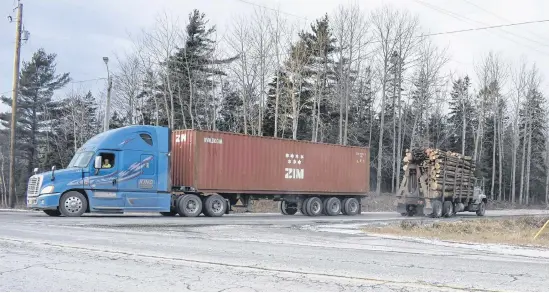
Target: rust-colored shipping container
219, 162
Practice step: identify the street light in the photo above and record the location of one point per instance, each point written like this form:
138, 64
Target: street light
109, 86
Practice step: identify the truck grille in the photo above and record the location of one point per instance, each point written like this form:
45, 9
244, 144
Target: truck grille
33, 188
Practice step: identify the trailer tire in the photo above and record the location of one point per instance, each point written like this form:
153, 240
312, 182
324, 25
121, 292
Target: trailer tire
352, 206
343, 203
73, 204
303, 209
314, 207
448, 209
214, 206
189, 205
437, 209
52, 213
481, 211
332, 206
287, 209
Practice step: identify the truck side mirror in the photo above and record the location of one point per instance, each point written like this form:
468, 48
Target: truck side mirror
97, 164
35, 171
53, 173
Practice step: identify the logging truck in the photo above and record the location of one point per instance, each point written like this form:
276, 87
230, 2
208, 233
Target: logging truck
439, 184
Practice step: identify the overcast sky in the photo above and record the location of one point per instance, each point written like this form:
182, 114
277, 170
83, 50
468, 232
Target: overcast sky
82, 32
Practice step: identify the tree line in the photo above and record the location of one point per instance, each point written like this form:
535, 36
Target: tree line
350, 77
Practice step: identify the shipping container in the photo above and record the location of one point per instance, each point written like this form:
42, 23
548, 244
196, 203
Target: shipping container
218, 162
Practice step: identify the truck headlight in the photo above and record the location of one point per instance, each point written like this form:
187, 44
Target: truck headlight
47, 189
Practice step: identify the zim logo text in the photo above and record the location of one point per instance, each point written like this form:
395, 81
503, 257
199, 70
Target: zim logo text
292, 173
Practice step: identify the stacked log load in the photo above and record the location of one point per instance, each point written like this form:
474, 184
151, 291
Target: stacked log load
448, 173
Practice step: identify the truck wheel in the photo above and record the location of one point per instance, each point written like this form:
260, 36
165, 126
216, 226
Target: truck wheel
332, 206
437, 209
314, 207
189, 205
286, 208
351, 206
73, 204
52, 213
214, 206
448, 209
343, 203
481, 209
303, 209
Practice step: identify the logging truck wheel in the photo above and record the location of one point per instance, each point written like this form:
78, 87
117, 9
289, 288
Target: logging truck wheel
481, 209
52, 213
332, 206
314, 207
287, 208
189, 205
448, 209
352, 206
437, 209
303, 209
214, 206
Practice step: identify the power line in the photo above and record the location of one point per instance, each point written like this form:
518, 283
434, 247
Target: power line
272, 9
498, 16
71, 82
464, 19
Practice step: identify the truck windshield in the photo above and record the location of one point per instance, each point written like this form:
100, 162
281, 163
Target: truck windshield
80, 160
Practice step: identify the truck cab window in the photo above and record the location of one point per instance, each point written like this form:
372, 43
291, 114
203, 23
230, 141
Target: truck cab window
108, 160
147, 138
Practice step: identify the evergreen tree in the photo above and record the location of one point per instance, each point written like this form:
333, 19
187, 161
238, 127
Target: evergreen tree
38, 82
461, 112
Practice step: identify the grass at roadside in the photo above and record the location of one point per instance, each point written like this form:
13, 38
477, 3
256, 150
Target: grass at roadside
514, 231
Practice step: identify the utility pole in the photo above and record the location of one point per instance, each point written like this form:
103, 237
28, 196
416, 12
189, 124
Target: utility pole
109, 87
15, 86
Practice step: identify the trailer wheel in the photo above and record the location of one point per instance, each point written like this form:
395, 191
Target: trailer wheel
352, 206
332, 206
343, 203
437, 209
303, 209
481, 209
448, 209
52, 213
189, 205
314, 207
287, 209
214, 206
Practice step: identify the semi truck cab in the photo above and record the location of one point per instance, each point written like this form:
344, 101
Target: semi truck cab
120, 170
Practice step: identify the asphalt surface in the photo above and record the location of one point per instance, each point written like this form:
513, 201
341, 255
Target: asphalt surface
259, 252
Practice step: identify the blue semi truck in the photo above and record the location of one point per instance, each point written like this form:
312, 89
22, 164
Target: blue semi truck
129, 170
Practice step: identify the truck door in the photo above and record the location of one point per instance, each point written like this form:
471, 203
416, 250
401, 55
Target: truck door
104, 183
140, 190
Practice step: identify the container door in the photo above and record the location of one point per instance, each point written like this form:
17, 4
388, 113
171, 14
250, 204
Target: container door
104, 183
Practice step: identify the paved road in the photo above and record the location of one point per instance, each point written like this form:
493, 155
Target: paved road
245, 253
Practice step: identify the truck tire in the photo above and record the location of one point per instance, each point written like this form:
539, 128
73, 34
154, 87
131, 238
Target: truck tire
286, 208
332, 206
189, 205
314, 207
73, 204
214, 206
448, 209
343, 203
303, 209
437, 209
52, 213
481, 209
352, 206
